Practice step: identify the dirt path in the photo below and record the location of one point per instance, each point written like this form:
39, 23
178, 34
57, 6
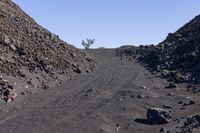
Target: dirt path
103, 101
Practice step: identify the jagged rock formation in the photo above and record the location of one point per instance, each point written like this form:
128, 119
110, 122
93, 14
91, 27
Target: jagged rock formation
28, 49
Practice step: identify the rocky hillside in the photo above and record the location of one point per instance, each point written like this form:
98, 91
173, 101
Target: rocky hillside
33, 55
177, 58
181, 52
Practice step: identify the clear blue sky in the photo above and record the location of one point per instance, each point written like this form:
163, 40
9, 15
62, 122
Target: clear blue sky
111, 22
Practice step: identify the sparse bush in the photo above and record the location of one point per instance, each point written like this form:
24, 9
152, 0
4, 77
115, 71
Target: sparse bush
88, 43
101, 47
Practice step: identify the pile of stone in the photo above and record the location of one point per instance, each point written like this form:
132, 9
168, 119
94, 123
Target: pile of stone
187, 125
27, 49
177, 58
7, 92
24, 43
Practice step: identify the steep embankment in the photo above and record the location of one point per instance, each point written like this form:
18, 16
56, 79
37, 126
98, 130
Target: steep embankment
31, 56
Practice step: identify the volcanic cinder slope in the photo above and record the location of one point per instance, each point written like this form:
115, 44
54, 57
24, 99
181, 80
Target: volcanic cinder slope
177, 58
113, 98
33, 57
180, 53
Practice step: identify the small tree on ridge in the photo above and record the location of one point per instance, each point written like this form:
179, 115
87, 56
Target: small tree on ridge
88, 43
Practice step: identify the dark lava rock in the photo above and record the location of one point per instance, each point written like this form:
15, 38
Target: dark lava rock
10, 86
167, 106
188, 124
162, 130
140, 96
158, 116
191, 102
192, 120
171, 85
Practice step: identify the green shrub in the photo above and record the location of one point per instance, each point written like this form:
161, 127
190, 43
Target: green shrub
88, 43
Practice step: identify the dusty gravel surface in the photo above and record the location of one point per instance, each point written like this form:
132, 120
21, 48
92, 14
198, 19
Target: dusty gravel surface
103, 101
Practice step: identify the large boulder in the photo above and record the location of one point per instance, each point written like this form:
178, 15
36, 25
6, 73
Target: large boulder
158, 116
